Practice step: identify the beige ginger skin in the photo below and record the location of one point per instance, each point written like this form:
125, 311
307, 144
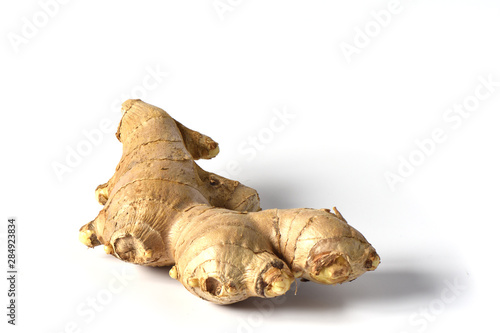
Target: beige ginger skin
162, 209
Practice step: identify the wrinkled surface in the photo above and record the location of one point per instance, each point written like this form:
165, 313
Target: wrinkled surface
162, 209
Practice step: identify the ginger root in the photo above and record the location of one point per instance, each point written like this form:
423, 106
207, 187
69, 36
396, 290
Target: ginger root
162, 209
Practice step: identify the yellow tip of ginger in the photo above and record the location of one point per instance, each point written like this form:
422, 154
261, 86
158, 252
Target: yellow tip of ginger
108, 249
337, 272
193, 282
174, 274
101, 195
279, 286
374, 262
85, 237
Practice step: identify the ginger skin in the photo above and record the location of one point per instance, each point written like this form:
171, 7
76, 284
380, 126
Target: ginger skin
162, 209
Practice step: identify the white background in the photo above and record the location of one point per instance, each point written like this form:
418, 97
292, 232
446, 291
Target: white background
355, 117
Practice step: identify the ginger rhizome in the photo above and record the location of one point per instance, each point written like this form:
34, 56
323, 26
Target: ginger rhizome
162, 209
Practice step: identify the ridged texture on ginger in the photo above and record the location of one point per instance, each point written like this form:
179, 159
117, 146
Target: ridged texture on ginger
162, 209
